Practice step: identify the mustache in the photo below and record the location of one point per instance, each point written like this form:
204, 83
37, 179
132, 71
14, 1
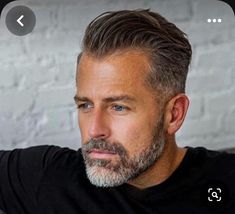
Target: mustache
102, 144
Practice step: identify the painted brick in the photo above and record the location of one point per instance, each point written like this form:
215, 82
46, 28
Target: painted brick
54, 98
16, 102
57, 121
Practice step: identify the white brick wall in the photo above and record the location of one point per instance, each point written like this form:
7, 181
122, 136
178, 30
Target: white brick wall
37, 71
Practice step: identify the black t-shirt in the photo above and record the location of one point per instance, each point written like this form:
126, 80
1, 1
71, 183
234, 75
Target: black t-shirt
52, 180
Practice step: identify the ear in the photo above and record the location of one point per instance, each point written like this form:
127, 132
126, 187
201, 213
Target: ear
175, 113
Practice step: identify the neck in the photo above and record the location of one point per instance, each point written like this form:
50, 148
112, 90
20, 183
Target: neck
167, 163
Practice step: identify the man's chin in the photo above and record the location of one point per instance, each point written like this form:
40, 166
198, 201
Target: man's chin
104, 177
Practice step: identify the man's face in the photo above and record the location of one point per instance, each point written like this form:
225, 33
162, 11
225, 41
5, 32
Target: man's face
120, 122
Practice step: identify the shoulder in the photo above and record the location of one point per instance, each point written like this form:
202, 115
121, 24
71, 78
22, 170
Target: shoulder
58, 155
214, 162
45, 155
204, 153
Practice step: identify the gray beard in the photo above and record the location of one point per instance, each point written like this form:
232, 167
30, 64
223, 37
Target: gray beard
104, 173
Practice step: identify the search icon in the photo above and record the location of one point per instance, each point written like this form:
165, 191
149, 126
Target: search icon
214, 194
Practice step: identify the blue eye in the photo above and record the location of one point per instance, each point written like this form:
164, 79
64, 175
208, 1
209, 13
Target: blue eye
120, 108
83, 106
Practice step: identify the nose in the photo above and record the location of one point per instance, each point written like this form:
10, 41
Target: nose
99, 127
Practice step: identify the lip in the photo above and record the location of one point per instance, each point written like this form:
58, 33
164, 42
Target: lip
101, 153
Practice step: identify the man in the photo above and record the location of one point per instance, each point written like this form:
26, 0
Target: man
131, 101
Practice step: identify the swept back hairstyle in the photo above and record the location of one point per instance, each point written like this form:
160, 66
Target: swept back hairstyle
166, 46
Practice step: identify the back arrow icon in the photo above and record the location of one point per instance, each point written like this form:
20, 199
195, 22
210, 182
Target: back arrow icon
19, 21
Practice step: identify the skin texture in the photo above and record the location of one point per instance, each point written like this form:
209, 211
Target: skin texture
122, 73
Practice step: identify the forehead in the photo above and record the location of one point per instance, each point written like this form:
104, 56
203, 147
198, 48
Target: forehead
116, 73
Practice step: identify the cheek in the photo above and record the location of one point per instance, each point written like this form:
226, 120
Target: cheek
126, 129
133, 136
82, 128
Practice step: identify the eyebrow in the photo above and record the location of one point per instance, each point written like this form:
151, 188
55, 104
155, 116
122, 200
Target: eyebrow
126, 98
